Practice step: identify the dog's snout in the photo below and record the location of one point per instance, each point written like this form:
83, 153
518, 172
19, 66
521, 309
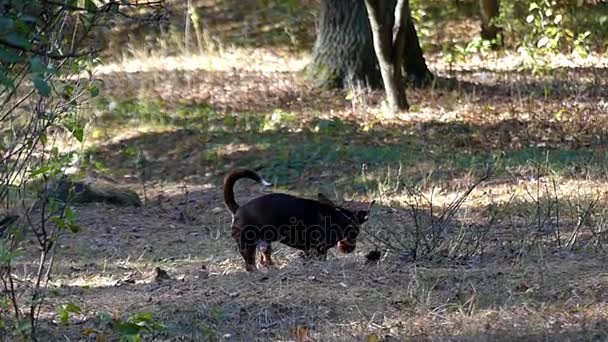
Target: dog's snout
346, 247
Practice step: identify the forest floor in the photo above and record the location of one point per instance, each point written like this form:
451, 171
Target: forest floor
524, 256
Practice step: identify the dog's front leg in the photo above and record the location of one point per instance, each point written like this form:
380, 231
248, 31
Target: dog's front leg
248, 253
266, 249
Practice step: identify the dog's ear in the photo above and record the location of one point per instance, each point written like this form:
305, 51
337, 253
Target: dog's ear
324, 200
362, 216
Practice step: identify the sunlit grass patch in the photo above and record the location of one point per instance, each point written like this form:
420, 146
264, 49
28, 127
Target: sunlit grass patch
260, 60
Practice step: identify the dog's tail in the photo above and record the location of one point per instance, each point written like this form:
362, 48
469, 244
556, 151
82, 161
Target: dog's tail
231, 179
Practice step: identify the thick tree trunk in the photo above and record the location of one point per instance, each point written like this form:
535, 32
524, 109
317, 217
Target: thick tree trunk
388, 33
344, 52
490, 9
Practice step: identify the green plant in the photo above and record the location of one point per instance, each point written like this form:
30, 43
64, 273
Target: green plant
137, 327
278, 119
65, 310
547, 33
45, 63
217, 313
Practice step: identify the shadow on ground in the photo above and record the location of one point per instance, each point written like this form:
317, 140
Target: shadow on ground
298, 159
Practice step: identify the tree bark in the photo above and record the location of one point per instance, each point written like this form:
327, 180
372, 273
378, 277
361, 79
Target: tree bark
490, 9
388, 34
344, 54
414, 65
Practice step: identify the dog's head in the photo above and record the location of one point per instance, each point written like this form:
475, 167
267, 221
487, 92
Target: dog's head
347, 222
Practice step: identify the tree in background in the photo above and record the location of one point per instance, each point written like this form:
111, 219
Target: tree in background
344, 52
389, 27
490, 9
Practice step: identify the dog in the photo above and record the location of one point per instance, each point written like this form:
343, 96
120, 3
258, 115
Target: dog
304, 224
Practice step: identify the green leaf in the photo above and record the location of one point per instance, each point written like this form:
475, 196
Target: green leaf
217, 313
36, 64
69, 214
6, 24
141, 318
78, 133
130, 151
18, 40
50, 70
70, 219
64, 317
6, 81
93, 90
68, 91
128, 328
42, 86
24, 327
90, 6
73, 308
74, 228
60, 222
76, 127
131, 338
6, 254
9, 56
65, 310
89, 19
40, 170
105, 318
29, 19
23, 27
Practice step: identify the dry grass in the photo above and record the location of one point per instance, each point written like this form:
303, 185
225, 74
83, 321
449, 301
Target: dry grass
541, 292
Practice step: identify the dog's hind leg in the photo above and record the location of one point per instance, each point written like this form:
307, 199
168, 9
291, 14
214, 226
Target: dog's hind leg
247, 246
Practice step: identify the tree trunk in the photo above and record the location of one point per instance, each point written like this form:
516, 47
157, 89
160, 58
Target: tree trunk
344, 53
489, 13
388, 34
414, 65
